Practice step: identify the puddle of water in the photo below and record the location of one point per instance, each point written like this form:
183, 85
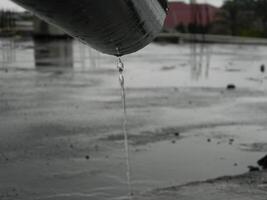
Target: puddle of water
191, 159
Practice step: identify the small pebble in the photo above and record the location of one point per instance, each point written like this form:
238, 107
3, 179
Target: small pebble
253, 169
87, 157
177, 134
231, 87
262, 68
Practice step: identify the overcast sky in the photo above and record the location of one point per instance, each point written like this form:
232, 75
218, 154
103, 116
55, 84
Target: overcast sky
10, 5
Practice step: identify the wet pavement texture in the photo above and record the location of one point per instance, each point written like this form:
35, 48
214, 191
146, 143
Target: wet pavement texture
61, 118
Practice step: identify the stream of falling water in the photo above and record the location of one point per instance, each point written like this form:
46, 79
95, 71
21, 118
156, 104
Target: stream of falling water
120, 67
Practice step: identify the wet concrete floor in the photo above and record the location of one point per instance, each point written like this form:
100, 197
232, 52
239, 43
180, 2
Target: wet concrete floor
61, 117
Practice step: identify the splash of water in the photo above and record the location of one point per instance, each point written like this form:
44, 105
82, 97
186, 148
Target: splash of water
120, 67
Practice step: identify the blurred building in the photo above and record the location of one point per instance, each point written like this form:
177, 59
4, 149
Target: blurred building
43, 29
183, 14
24, 22
12, 23
53, 53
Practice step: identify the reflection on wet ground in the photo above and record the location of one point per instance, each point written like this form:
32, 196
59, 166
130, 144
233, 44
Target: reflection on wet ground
199, 64
60, 113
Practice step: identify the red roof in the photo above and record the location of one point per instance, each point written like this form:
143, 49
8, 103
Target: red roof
182, 13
